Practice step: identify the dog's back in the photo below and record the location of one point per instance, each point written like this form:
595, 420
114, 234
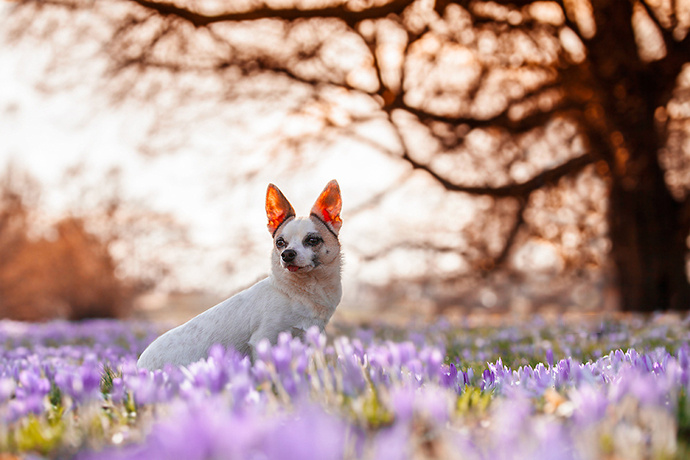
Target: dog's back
228, 323
261, 312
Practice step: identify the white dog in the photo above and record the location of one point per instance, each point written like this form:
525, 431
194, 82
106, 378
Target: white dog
302, 290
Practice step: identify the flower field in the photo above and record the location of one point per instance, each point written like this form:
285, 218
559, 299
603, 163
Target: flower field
594, 388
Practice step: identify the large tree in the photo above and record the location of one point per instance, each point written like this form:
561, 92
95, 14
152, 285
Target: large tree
527, 103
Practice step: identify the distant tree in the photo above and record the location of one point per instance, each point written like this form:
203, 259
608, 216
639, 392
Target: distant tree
67, 269
535, 107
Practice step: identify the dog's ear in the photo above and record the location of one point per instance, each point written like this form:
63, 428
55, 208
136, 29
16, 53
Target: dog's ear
328, 205
278, 208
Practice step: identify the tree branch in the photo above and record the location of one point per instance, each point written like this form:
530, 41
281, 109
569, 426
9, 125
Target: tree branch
341, 11
512, 235
523, 189
501, 119
379, 196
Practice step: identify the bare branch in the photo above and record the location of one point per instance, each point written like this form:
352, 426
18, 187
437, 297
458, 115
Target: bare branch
341, 11
512, 235
376, 199
408, 246
523, 189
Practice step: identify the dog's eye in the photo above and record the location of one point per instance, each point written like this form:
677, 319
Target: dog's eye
313, 241
280, 243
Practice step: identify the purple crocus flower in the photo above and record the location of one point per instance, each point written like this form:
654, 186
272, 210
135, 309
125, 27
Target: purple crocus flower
393, 443
590, 404
449, 378
7, 388
310, 434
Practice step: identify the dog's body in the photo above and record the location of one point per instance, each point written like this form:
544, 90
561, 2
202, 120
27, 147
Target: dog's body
302, 290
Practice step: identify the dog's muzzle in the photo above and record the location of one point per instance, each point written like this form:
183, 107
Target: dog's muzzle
288, 255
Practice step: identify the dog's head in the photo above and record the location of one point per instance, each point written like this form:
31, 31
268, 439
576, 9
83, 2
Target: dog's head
305, 243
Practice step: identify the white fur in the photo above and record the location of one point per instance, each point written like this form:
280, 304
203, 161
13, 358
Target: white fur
285, 301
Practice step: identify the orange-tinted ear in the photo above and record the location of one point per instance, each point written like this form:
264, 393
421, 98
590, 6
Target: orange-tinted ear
278, 208
328, 205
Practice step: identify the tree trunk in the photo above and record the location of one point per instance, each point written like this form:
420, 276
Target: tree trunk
648, 244
647, 231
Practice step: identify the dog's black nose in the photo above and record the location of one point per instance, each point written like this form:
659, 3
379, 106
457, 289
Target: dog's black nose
289, 255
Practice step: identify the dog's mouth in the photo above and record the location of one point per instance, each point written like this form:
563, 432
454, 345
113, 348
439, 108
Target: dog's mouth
296, 268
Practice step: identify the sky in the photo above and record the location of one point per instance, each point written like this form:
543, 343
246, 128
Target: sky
196, 171
47, 132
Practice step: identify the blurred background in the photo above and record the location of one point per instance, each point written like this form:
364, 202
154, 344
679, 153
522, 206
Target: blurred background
504, 156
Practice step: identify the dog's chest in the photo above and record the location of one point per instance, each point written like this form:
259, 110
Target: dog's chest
300, 315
